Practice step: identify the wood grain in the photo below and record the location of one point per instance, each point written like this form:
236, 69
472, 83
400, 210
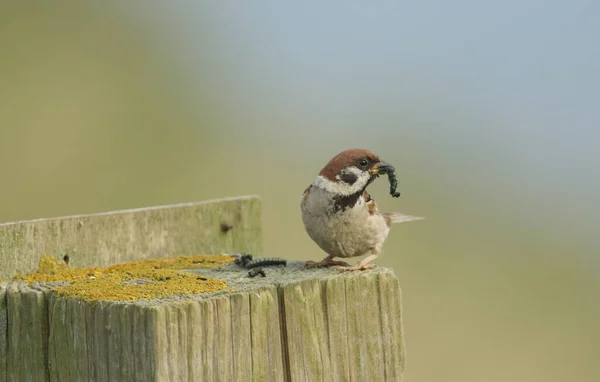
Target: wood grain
115, 237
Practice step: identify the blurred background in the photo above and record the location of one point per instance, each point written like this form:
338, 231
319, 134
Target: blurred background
489, 111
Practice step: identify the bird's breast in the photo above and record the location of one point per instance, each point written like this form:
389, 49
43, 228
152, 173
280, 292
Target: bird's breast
350, 232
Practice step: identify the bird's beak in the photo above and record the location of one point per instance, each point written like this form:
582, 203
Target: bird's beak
380, 168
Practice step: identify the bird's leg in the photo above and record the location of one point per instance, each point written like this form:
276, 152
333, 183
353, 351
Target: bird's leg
326, 262
361, 265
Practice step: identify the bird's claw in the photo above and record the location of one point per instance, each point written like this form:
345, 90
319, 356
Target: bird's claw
357, 267
325, 263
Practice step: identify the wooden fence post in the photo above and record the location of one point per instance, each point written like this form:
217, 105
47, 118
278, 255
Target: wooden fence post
294, 324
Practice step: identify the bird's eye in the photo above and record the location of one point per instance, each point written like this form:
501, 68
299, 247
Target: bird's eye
363, 162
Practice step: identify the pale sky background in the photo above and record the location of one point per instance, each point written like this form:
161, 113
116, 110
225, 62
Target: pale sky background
511, 87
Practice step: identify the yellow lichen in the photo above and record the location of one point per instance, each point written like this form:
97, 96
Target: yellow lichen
148, 279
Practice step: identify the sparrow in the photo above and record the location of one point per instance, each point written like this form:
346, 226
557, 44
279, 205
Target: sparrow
341, 217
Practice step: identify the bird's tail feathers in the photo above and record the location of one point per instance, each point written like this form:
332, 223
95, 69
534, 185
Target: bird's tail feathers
397, 217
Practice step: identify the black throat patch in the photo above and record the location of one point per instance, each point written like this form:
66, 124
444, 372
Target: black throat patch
341, 202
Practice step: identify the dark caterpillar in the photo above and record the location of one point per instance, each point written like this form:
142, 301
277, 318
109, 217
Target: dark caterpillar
266, 263
256, 272
245, 260
391, 173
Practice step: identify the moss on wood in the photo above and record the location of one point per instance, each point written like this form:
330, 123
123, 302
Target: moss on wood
148, 279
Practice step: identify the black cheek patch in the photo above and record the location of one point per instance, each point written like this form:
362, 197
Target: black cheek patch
348, 177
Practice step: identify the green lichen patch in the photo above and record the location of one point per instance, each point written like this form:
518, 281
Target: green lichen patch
147, 279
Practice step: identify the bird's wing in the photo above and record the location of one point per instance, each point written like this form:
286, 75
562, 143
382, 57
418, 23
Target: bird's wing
397, 217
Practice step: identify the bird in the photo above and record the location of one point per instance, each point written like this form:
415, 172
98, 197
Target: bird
341, 217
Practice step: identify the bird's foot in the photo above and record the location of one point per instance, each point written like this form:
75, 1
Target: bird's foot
327, 262
357, 267
362, 265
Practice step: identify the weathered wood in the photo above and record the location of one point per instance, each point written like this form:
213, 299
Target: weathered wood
340, 328
27, 340
115, 237
3, 333
266, 336
292, 325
